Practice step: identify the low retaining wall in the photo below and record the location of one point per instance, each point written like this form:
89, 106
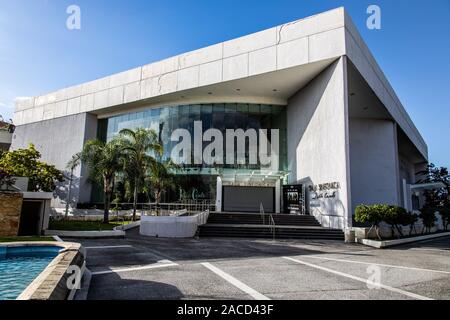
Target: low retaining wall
10, 209
51, 284
128, 226
86, 234
396, 242
172, 226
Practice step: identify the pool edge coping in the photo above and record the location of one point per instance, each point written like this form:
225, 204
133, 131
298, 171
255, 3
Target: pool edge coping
53, 273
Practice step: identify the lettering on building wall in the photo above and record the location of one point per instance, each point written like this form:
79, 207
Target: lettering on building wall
324, 190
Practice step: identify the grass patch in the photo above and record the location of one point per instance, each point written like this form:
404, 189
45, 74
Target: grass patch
21, 239
73, 225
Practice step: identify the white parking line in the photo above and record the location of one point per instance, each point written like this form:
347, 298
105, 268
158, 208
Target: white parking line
378, 264
428, 249
342, 274
109, 247
152, 266
235, 282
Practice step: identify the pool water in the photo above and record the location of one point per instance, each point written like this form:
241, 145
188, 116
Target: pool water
19, 266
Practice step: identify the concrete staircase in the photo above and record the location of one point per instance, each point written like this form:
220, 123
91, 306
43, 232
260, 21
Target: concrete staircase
251, 225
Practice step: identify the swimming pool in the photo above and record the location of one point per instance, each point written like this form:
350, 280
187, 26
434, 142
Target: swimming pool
20, 265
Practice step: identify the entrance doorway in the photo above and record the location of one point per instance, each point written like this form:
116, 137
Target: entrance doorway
30, 218
248, 199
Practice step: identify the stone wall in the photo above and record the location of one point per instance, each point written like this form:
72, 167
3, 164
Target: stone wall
10, 208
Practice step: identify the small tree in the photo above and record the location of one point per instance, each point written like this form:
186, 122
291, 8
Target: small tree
370, 214
71, 165
444, 211
138, 146
428, 216
26, 163
396, 217
161, 178
104, 161
411, 220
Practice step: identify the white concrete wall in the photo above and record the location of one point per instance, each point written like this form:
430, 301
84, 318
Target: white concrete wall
373, 162
57, 140
360, 55
317, 141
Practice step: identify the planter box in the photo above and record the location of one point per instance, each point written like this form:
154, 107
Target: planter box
390, 243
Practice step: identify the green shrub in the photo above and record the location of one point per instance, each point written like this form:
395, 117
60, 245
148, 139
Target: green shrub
427, 214
370, 214
444, 211
395, 216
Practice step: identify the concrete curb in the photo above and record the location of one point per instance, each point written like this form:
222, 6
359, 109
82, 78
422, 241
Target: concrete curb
86, 234
390, 243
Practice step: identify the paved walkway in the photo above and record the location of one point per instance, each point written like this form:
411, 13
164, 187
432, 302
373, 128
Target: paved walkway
153, 268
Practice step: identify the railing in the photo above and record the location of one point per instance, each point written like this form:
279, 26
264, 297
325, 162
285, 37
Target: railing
270, 221
176, 208
272, 226
261, 212
202, 218
328, 217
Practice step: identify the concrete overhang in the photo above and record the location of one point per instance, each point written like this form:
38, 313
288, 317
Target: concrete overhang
270, 88
37, 195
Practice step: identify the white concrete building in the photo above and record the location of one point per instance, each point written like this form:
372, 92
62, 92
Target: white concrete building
344, 135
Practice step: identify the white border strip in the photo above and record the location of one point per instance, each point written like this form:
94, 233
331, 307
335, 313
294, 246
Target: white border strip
153, 266
400, 291
235, 282
378, 264
109, 247
58, 239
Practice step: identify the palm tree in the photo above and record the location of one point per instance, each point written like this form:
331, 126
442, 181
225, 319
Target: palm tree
105, 160
139, 145
161, 178
71, 165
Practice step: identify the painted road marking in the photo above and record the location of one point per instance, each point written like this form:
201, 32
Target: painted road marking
235, 282
378, 264
428, 249
109, 247
342, 274
152, 266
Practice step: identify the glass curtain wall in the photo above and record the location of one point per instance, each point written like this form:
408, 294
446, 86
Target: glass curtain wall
198, 182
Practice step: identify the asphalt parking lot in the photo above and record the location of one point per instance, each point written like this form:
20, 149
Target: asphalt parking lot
154, 268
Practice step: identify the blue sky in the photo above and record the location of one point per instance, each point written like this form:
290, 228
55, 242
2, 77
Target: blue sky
38, 54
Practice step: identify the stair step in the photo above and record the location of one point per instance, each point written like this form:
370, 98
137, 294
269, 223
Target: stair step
252, 225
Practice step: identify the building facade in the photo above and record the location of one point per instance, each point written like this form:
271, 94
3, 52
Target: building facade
302, 106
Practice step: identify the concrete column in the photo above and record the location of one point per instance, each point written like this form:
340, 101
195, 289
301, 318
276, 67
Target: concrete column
219, 194
278, 196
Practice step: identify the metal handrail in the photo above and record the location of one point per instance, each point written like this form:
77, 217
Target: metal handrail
271, 221
261, 212
165, 209
272, 225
